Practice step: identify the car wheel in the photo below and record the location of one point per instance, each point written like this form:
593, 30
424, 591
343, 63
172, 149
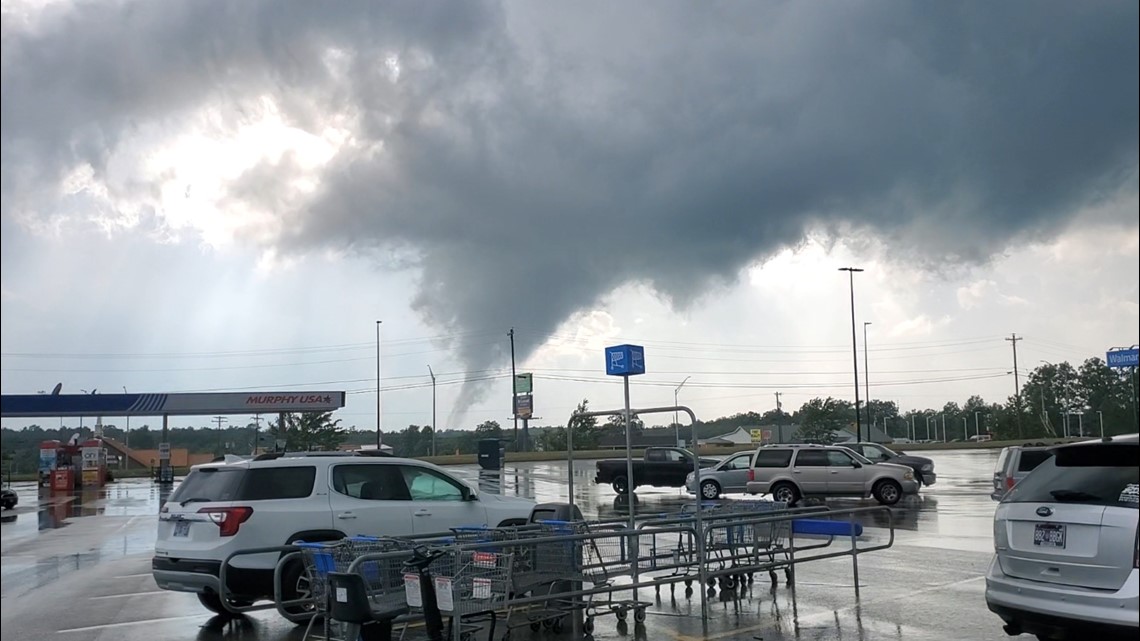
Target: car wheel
297, 583
621, 485
785, 493
710, 490
8, 506
887, 492
213, 602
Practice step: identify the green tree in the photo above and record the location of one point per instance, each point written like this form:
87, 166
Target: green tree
489, 429
819, 418
307, 431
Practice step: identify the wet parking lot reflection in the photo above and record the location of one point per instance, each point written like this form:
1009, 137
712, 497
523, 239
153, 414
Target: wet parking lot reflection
79, 562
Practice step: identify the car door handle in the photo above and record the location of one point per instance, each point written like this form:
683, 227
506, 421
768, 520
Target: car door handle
345, 516
423, 512
835, 471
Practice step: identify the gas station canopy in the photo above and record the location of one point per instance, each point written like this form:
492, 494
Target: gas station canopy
29, 405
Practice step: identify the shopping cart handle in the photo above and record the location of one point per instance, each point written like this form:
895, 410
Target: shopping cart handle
826, 528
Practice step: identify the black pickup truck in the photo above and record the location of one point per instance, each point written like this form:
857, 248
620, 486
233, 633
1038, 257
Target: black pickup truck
661, 467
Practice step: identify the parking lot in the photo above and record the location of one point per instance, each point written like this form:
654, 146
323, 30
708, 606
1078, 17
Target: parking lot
77, 568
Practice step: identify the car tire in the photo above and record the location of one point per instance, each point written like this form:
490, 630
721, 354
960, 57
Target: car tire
785, 493
621, 485
296, 584
9, 506
710, 490
212, 601
887, 492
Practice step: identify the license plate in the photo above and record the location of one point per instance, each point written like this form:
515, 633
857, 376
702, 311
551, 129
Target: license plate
1049, 535
182, 528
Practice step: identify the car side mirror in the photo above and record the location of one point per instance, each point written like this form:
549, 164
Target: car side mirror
856, 464
469, 494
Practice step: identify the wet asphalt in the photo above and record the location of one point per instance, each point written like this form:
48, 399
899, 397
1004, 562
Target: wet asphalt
76, 568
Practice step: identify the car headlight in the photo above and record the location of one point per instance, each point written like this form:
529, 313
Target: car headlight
689, 478
929, 467
908, 475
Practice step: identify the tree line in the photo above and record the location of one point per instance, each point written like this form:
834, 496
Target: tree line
1054, 400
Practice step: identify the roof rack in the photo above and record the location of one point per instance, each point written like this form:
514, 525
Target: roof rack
270, 456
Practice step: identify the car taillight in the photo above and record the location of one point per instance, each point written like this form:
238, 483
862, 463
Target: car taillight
1009, 482
751, 474
228, 519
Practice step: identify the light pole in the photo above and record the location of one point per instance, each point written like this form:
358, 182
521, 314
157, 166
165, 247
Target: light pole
127, 433
676, 424
854, 349
1100, 415
977, 426
378, 323
867, 375
928, 427
433, 425
965, 429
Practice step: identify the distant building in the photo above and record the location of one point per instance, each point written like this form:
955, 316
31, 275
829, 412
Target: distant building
739, 436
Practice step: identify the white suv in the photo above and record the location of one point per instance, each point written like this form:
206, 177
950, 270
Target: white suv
275, 500
1067, 543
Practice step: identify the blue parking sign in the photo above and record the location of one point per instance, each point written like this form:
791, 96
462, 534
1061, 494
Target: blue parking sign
625, 360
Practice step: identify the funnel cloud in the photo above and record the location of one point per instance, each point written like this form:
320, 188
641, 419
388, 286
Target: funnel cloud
529, 158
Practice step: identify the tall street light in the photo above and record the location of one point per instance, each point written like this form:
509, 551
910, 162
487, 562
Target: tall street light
433, 426
676, 425
378, 323
854, 349
867, 376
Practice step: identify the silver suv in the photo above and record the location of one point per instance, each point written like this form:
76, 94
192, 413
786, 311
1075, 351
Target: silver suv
1068, 546
1015, 463
790, 472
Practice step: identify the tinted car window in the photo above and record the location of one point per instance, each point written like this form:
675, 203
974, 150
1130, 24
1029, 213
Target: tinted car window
773, 458
1109, 485
811, 458
1030, 459
210, 484
370, 482
278, 483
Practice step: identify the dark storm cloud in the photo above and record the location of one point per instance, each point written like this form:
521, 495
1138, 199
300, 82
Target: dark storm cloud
537, 156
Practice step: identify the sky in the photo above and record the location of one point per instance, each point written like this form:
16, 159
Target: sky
209, 195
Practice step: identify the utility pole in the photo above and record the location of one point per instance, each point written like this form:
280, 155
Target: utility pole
256, 432
867, 375
219, 420
433, 426
514, 381
854, 349
913, 434
378, 392
779, 407
676, 423
1016, 381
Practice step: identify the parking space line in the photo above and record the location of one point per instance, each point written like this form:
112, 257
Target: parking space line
132, 576
130, 594
130, 623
